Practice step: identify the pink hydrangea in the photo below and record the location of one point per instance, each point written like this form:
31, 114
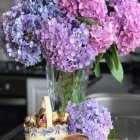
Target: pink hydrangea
126, 17
101, 37
93, 9
69, 6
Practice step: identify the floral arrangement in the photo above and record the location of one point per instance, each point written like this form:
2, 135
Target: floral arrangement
70, 35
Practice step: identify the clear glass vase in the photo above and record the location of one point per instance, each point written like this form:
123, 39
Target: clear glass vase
62, 85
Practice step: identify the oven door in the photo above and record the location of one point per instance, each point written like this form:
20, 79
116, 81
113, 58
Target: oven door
12, 113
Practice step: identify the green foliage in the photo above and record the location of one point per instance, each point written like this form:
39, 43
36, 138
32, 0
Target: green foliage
78, 97
114, 64
97, 70
115, 56
87, 21
112, 134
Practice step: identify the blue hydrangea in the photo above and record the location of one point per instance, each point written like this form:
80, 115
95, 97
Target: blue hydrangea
47, 9
90, 119
21, 31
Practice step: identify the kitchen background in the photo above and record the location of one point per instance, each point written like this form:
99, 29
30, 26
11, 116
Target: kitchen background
21, 88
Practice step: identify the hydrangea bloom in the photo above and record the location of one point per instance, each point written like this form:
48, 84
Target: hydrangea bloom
21, 31
90, 119
93, 9
66, 47
44, 8
126, 23
69, 6
101, 37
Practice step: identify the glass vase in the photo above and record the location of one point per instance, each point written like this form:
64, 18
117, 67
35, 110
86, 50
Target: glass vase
61, 86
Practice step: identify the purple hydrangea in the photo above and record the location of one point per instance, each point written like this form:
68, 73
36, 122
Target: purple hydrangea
21, 31
89, 118
65, 45
126, 17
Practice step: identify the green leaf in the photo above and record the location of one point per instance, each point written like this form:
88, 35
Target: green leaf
97, 69
78, 97
87, 21
112, 134
117, 73
115, 55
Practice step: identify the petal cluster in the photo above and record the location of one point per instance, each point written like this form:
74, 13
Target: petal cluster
65, 45
101, 37
69, 6
92, 9
126, 16
89, 118
46, 9
21, 31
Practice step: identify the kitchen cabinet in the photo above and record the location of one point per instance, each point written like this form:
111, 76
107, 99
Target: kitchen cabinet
36, 88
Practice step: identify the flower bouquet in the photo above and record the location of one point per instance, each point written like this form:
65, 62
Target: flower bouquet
68, 36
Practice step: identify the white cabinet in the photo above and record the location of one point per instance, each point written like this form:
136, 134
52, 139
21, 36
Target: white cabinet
36, 88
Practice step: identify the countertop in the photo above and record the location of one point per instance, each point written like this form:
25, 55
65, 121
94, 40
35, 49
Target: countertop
15, 134
126, 129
